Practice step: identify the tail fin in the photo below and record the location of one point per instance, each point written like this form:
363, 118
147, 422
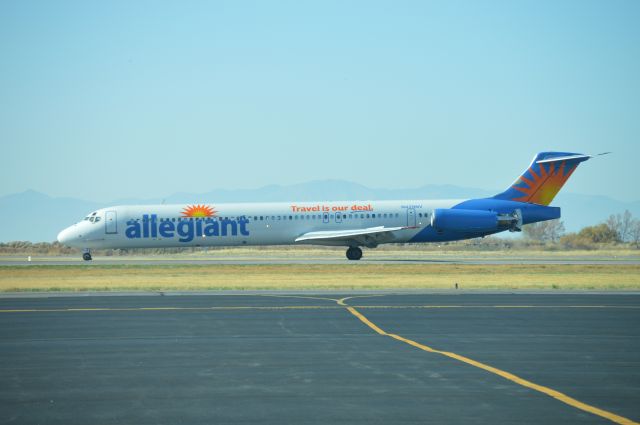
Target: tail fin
544, 178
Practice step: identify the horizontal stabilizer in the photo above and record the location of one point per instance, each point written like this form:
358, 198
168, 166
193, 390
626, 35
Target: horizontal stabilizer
565, 158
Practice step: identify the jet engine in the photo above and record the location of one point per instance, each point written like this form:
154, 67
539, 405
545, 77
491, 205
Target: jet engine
475, 221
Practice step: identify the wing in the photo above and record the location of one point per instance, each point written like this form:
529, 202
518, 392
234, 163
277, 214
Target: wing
369, 237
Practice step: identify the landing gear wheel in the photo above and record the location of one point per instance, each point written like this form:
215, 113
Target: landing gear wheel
354, 253
86, 256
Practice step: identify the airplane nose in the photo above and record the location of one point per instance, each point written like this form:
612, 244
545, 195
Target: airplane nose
65, 236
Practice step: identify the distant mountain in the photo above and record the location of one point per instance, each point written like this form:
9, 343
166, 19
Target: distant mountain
33, 216
579, 211
36, 217
320, 190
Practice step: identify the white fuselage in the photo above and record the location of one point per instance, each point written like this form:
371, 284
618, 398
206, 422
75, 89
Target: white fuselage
147, 226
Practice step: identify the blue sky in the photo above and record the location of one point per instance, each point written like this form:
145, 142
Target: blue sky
107, 100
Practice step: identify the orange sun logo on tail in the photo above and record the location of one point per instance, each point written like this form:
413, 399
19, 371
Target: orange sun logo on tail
543, 186
198, 211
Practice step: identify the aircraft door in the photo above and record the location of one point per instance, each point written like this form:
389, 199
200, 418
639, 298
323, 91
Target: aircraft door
411, 217
110, 223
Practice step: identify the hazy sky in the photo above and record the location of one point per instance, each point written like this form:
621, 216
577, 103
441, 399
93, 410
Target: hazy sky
105, 100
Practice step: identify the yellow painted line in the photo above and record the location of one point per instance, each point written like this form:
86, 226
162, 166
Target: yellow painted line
495, 306
506, 375
67, 310
294, 296
341, 303
366, 321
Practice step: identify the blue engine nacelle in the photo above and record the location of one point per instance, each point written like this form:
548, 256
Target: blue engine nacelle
475, 221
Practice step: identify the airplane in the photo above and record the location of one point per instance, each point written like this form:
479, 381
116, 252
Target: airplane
352, 224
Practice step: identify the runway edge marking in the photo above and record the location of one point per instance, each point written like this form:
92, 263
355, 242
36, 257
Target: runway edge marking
506, 375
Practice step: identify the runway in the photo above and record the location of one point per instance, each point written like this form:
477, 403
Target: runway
338, 259
320, 358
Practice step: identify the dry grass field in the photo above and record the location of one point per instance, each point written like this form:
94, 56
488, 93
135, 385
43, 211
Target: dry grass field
319, 276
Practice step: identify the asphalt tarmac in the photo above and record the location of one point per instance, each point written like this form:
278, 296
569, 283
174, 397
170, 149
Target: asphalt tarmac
320, 358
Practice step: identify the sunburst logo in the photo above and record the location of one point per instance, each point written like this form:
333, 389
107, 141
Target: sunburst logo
544, 185
198, 211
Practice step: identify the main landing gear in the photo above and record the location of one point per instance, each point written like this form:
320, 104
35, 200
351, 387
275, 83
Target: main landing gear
354, 253
86, 256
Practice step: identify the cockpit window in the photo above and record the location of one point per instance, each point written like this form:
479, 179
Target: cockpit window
92, 217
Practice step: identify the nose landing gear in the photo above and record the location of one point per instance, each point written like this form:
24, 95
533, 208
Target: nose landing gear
354, 253
86, 256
